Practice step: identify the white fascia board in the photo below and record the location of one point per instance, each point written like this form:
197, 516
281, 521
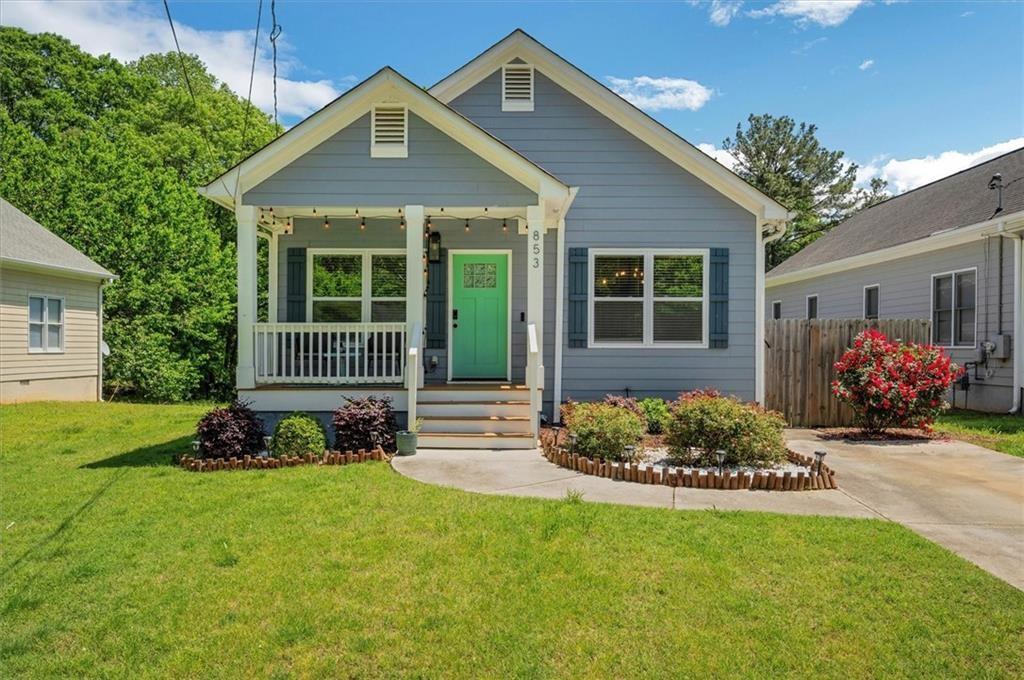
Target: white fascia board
56, 270
387, 85
946, 239
615, 108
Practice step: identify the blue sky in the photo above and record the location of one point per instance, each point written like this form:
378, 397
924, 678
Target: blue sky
909, 90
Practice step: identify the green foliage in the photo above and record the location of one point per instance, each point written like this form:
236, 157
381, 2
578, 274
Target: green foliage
604, 431
657, 414
789, 163
108, 156
297, 435
702, 423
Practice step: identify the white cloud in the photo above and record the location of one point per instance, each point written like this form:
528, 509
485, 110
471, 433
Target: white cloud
866, 64
722, 12
128, 31
910, 173
656, 94
821, 12
721, 155
808, 46
966, 14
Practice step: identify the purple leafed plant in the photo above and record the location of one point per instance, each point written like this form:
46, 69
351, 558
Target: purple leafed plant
232, 431
364, 424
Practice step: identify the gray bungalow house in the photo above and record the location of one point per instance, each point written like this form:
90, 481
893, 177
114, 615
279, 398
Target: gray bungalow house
515, 236
949, 251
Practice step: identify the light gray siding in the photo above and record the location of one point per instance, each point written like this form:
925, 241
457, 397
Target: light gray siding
630, 196
439, 171
905, 293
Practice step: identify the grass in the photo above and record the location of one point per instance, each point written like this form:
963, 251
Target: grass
116, 564
1000, 432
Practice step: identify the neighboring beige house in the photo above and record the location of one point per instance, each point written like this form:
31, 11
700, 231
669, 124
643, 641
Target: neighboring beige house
51, 328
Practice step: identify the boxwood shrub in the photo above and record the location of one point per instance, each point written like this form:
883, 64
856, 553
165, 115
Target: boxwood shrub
656, 412
297, 435
232, 431
604, 431
702, 423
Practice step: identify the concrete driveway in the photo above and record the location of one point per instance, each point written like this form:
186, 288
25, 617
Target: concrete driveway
964, 497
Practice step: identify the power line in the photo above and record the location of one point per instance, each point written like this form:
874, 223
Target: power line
248, 100
275, 33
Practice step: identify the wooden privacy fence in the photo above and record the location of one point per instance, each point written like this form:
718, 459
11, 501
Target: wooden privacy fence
799, 359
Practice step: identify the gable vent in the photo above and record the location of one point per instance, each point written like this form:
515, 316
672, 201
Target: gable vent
517, 87
390, 134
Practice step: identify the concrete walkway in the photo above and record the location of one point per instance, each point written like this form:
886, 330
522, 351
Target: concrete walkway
964, 497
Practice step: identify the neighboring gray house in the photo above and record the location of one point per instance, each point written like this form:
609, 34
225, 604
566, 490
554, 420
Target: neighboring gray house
950, 251
51, 315
559, 243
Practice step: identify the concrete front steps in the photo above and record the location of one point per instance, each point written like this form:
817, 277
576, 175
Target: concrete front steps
481, 416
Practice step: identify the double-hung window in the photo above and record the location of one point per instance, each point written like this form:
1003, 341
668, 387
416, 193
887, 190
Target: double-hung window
349, 286
648, 298
45, 324
954, 298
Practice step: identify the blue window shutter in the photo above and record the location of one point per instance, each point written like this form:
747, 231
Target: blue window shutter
719, 298
437, 302
296, 278
578, 304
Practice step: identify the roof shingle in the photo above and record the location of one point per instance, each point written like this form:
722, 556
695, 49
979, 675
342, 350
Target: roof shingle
24, 240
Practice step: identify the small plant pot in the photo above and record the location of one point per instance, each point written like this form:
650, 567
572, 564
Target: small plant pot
406, 442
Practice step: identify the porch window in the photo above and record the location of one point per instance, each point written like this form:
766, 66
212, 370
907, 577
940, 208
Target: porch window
954, 298
45, 324
649, 298
357, 286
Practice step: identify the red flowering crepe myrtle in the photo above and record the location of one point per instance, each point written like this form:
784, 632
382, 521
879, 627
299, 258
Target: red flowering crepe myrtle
893, 384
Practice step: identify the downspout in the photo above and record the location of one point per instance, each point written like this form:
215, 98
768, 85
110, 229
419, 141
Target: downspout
99, 338
556, 411
1018, 323
778, 230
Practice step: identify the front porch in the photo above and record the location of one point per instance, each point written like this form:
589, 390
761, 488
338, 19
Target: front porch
367, 301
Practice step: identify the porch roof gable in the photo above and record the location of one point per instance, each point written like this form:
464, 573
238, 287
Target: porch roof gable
385, 86
520, 45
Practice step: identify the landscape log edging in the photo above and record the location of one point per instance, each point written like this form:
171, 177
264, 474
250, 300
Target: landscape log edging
193, 464
756, 480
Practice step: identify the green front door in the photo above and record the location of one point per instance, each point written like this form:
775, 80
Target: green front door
479, 316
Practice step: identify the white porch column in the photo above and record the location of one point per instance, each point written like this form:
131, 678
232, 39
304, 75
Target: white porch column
414, 280
535, 305
245, 373
272, 278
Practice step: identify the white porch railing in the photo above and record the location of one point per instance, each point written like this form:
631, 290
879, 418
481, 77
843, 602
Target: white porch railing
330, 353
534, 376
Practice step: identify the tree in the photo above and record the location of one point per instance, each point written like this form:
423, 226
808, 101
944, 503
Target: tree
108, 156
788, 163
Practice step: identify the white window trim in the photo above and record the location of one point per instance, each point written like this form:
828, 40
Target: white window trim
366, 280
931, 308
389, 150
46, 323
779, 303
864, 301
518, 104
648, 298
817, 306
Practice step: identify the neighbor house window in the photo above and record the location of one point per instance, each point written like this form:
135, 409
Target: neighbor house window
777, 309
871, 302
648, 298
356, 286
45, 324
812, 306
954, 298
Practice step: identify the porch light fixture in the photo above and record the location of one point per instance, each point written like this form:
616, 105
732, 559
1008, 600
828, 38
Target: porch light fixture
362, 225
467, 226
314, 211
819, 458
327, 223
504, 226
401, 224
434, 247
720, 457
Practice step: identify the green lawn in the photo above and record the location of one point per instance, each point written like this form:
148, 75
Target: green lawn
995, 431
116, 564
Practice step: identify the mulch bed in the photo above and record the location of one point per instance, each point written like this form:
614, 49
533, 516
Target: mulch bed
187, 462
899, 434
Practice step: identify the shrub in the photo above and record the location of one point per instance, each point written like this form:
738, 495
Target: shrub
703, 422
297, 435
890, 383
656, 413
364, 424
604, 431
628, 403
232, 431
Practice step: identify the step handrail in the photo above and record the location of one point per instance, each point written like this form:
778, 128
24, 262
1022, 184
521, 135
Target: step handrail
533, 376
412, 375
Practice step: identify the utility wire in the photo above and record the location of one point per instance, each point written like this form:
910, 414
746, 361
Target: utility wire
275, 33
248, 99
